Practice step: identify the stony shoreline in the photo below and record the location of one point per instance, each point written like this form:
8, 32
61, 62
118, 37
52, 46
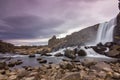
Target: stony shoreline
65, 70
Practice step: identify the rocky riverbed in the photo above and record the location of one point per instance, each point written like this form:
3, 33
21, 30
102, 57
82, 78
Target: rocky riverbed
71, 63
89, 69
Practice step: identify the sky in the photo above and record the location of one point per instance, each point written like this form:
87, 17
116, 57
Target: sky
34, 22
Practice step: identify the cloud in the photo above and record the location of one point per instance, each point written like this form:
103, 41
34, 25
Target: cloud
25, 20
28, 27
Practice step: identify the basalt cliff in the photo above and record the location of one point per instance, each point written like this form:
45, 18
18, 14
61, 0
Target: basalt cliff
83, 36
77, 38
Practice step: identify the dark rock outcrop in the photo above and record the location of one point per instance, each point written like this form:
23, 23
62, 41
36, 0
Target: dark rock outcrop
117, 30
6, 47
76, 38
114, 52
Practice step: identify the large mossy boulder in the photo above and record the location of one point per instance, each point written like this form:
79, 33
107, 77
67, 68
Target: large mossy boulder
70, 54
81, 53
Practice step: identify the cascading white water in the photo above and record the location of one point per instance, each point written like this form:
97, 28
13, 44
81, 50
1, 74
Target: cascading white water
105, 32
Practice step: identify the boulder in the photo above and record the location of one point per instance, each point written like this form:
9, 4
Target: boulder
31, 55
11, 64
39, 59
100, 50
66, 65
3, 65
58, 55
81, 53
114, 52
42, 61
109, 44
45, 51
72, 76
116, 75
3, 77
100, 44
13, 77
22, 73
18, 62
102, 66
30, 78
70, 54
89, 62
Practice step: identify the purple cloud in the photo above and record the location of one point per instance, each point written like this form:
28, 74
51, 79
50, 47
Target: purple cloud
40, 19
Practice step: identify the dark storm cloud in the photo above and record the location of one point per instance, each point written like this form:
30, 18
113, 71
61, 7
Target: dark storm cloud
27, 27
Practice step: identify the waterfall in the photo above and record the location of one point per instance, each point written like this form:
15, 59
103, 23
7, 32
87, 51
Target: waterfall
105, 32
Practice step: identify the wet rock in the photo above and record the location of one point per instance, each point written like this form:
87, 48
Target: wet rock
42, 61
88, 62
114, 52
22, 73
102, 74
70, 54
45, 51
30, 78
102, 66
31, 55
66, 65
81, 53
75, 60
100, 50
58, 55
116, 75
87, 47
3, 77
72, 76
47, 66
46, 54
3, 65
109, 44
64, 59
18, 62
11, 64
100, 44
39, 59
13, 77
82, 74
2, 71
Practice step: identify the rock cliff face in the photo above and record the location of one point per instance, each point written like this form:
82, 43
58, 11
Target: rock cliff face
76, 38
6, 47
83, 36
117, 30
